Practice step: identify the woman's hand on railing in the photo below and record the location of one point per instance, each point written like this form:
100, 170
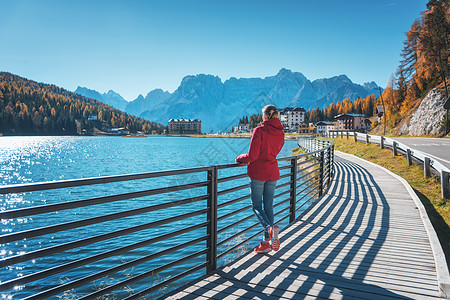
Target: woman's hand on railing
241, 164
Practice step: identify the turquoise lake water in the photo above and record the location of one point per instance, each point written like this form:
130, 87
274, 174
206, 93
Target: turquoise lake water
38, 159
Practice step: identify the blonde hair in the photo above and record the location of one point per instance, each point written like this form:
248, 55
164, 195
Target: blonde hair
270, 111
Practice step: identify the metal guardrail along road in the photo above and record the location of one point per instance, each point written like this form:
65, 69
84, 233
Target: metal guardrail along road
410, 153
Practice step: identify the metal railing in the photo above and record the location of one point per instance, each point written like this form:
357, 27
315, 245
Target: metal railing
187, 230
425, 159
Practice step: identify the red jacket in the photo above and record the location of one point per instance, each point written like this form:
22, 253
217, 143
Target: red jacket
267, 141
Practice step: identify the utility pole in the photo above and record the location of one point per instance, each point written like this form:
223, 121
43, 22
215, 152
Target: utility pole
384, 111
446, 91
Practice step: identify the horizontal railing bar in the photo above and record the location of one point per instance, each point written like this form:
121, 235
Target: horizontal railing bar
281, 211
235, 223
224, 204
317, 181
282, 193
307, 161
282, 202
234, 189
237, 234
316, 177
87, 241
144, 275
305, 195
225, 216
283, 184
96, 220
285, 175
84, 261
303, 204
226, 166
7, 238
39, 186
89, 278
285, 167
310, 166
308, 193
308, 153
239, 244
234, 177
315, 163
94, 201
307, 174
166, 282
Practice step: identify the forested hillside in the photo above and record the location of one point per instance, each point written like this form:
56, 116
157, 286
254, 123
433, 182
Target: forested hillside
365, 106
425, 63
31, 108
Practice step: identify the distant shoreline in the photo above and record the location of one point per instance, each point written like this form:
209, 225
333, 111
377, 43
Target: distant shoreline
238, 136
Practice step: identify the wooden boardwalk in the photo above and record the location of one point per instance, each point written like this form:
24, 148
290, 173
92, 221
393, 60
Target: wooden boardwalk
364, 239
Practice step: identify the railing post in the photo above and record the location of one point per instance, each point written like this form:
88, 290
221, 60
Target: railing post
342, 134
346, 134
367, 138
293, 189
426, 167
332, 160
211, 242
322, 157
394, 148
445, 186
355, 136
329, 166
409, 156
382, 142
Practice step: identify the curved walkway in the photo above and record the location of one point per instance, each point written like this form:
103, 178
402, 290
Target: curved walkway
364, 239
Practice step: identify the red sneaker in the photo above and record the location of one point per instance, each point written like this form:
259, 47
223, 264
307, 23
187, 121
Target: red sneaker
263, 248
273, 234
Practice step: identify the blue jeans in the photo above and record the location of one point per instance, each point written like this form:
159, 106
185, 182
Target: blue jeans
262, 193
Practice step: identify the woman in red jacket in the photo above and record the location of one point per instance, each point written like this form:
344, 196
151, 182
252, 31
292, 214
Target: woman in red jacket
267, 141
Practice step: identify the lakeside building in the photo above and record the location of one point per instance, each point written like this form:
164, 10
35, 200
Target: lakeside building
380, 112
241, 128
354, 122
92, 117
185, 126
324, 127
312, 128
303, 128
307, 129
291, 118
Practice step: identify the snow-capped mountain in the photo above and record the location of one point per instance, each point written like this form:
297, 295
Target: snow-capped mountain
220, 105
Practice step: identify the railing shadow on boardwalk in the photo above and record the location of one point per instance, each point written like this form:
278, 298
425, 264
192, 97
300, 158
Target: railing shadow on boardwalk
351, 223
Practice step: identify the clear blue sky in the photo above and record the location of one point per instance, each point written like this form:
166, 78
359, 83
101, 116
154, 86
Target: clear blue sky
135, 46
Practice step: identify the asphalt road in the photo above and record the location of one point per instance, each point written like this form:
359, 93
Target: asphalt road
436, 148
